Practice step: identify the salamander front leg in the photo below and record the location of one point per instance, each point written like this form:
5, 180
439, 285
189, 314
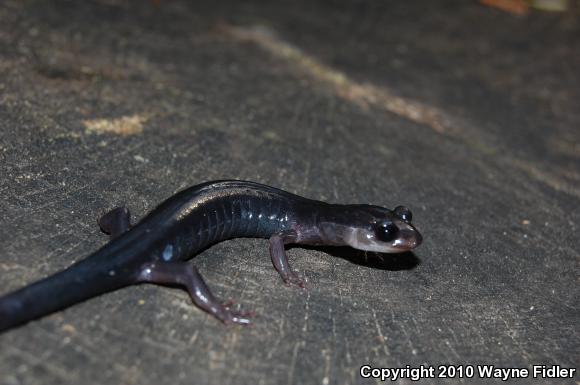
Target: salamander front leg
186, 275
280, 259
115, 222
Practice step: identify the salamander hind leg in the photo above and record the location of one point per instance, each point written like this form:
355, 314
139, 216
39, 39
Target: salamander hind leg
280, 259
186, 275
115, 222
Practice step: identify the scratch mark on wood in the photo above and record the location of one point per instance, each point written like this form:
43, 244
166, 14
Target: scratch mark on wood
382, 338
512, 333
41, 361
306, 314
327, 354
293, 362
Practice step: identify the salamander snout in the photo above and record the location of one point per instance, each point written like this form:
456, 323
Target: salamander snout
388, 232
409, 238
409, 235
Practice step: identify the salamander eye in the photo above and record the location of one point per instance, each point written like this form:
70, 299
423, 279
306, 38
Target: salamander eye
404, 213
386, 232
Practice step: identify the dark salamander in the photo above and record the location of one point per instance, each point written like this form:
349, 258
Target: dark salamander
155, 250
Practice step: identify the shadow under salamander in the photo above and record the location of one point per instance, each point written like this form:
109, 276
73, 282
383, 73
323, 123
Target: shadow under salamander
392, 262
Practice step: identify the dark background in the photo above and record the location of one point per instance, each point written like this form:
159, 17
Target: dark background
468, 115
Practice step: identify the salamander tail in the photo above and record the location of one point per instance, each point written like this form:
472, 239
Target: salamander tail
85, 279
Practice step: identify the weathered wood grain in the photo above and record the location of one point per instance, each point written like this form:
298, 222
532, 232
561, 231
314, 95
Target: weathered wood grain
495, 189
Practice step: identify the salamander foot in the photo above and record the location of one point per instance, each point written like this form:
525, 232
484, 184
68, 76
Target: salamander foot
295, 279
280, 259
186, 275
229, 316
115, 222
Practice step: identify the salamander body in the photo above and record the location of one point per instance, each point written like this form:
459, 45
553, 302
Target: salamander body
156, 249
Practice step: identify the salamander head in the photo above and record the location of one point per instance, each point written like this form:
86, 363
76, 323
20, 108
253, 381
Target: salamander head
381, 230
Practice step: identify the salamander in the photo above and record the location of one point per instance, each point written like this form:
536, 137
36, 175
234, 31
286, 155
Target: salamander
157, 248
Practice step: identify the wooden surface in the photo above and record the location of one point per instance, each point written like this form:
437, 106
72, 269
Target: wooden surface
467, 115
